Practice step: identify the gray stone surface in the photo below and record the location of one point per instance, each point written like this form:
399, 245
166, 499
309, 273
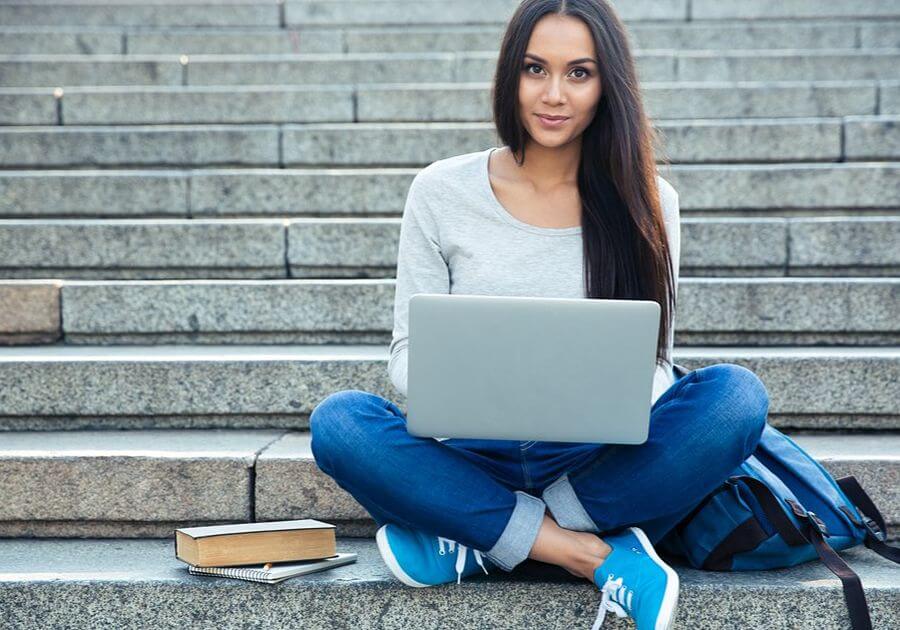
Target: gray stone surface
713, 187
382, 144
235, 41
889, 98
36, 40
751, 140
879, 34
821, 241
737, 35
788, 66
182, 380
461, 102
728, 243
154, 479
718, 35
445, 102
141, 529
742, 310
418, 144
859, 386
757, 309
336, 68
27, 106
771, 9
146, 475
817, 380
123, 13
644, 36
787, 186
316, 244
122, 583
289, 483
87, 193
291, 192
143, 248
65, 70
872, 138
208, 104
145, 145
403, 12
785, 99
722, 35
360, 247
29, 311
227, 310
682, 141
464, 12
409, 12
423, 38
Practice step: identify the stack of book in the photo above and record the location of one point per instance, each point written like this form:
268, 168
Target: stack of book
260, 552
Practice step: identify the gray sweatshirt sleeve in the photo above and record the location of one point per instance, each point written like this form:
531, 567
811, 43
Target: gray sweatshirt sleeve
421, 268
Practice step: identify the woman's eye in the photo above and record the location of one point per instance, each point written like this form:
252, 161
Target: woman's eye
584, 71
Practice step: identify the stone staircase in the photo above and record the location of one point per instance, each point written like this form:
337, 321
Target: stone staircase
199, 214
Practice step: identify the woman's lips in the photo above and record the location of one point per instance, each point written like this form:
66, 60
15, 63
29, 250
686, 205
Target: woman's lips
551, 123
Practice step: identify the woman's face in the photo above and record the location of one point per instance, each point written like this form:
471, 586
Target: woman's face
552, 84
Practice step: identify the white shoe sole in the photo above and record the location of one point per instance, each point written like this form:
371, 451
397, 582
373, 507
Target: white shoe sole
388, 556
670, 596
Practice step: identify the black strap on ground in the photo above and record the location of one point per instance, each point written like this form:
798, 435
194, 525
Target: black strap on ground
872, 518
854, 595
852, 585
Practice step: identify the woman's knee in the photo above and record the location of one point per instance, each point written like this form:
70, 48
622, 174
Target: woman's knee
340, 416
740, 398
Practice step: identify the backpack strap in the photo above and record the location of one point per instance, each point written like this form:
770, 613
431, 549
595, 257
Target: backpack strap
873, 522
854, 595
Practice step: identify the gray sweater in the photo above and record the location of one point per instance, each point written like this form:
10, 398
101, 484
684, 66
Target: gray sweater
456, 237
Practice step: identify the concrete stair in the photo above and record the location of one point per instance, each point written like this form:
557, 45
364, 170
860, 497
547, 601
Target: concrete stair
124, 583
68, 386
714, 310
717, 141
154, 480
433, 67
736, 189
428, 102
721, 34
200, 208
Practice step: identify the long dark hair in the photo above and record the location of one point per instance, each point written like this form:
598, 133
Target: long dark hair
626, 254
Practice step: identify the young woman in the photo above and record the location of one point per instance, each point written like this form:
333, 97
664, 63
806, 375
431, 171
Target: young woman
570, 205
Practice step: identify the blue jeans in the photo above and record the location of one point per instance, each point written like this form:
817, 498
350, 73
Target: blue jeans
491, 495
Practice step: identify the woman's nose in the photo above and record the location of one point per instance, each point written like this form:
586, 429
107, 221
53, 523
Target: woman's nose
554, 92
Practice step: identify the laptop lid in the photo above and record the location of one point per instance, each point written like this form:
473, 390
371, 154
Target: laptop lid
531, 368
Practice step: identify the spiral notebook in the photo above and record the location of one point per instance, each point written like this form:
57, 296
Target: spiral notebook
278, 572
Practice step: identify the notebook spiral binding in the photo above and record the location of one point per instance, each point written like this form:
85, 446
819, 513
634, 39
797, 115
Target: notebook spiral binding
254, 575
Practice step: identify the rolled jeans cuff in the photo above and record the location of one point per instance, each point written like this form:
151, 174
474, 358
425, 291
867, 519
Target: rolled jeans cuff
566, 508
520, 532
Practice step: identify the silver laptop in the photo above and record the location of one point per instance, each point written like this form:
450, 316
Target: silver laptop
530, 368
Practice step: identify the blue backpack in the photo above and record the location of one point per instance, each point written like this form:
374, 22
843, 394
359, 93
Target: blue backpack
778, 509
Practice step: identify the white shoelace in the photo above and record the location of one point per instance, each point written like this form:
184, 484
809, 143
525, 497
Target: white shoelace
614, 595
460, 557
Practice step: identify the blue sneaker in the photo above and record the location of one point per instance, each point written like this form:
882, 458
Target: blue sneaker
636, 583
419, 559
